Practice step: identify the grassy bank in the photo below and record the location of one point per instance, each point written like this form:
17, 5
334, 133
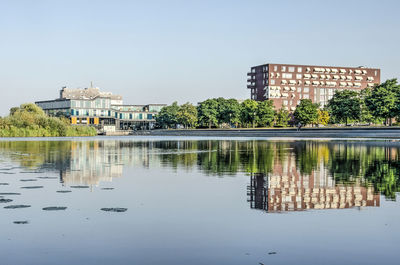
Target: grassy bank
29, 120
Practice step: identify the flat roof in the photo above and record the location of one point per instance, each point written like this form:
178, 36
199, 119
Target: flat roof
315, 65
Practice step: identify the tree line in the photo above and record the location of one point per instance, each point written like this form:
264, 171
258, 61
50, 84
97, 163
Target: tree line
29, 120
377, 105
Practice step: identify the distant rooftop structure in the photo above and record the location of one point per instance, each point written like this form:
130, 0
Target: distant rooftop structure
89, 93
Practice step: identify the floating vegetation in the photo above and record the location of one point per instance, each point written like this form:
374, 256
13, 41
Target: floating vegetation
116, 210
5, 200
64, 191
4, 184
32, 187
21, 222
107, 188
9, 193
26, 180
54, 208
47, 177
79, 187
16, 206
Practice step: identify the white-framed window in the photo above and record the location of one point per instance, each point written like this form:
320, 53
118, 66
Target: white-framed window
306, 96
275, 68
299, 69
298, 76
285, 102
299, 89
291, 69
306, 89
272, 81
286, 75
283, 68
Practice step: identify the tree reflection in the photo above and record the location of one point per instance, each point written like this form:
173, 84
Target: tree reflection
342, 163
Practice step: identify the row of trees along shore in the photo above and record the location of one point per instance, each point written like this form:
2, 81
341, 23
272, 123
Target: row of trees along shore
377, 105
29, 120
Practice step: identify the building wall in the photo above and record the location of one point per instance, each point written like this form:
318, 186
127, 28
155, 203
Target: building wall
287, 84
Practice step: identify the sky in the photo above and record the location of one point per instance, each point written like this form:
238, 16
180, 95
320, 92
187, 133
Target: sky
185, 51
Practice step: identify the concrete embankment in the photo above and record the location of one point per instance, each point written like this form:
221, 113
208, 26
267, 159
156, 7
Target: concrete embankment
353, 132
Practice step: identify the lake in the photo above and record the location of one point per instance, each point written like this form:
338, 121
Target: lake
171, 200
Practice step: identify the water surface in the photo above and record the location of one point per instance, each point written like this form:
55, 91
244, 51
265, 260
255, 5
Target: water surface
137, 200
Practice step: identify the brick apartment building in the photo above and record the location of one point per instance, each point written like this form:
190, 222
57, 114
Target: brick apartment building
287, 84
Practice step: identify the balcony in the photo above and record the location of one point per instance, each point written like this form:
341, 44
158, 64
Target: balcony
251, 86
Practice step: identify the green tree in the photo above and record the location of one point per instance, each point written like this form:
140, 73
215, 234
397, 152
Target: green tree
167, 117
265, 113
306, 112
383, 101
345, 105
228, 111
208, 112
282, 118
187, 115
249, 109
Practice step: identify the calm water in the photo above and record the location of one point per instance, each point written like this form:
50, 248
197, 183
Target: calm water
199, 201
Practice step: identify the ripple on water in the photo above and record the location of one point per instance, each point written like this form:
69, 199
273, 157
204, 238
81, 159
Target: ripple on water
116, 210
32, 187
107, 188
21, 222
5, 200
64, 191
4, 184
10, 193
79, 187
54, 208
20, 206
27, 180
47, 177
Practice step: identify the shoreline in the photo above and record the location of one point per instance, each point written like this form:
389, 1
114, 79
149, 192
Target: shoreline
352, 132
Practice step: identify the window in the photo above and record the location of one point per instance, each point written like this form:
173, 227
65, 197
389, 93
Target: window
299, 89
306, 90
322, 91
283, 68
306, 96
285, 102
376, 73
299, 69
330, 91
298, 76
149, 116
275, 68
272, 81
291, 69
284, 75
140, 116
322, 98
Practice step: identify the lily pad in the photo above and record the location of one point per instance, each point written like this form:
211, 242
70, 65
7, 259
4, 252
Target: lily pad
32, 187
5, 200
64, 191
79, 187
116, 210
54, 208
16, 206
21, 222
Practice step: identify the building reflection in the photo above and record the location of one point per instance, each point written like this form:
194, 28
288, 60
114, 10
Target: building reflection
287, 189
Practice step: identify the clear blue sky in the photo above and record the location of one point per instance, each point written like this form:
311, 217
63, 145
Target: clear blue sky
161, 51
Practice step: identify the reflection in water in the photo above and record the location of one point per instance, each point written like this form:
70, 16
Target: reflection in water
285, 175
